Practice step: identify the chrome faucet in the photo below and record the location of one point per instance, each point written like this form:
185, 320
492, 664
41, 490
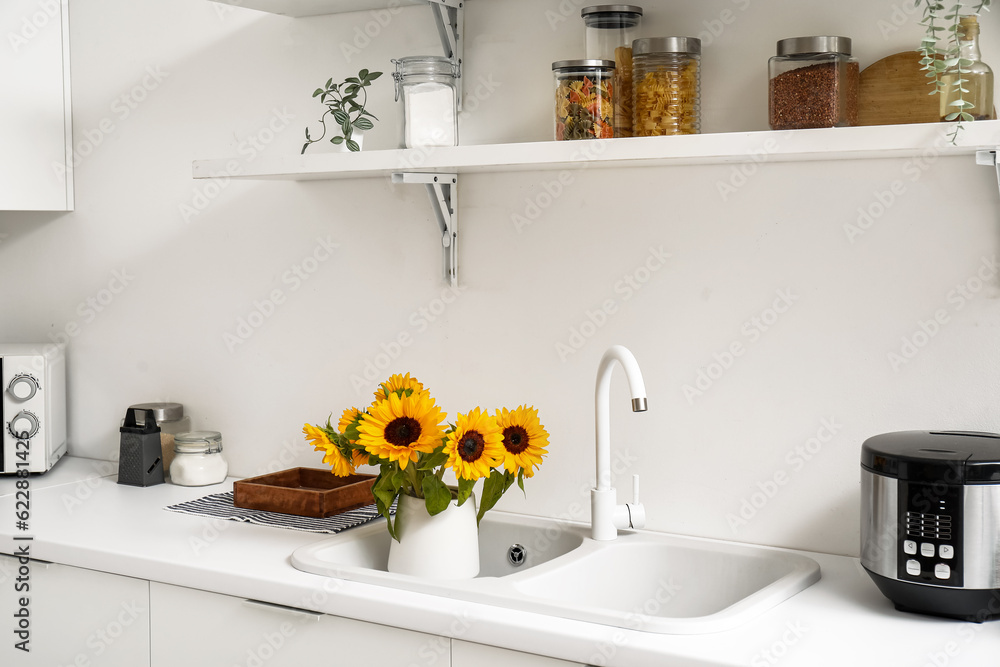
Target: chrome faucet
606, 515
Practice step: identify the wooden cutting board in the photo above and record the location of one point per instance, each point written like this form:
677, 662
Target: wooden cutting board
895, 90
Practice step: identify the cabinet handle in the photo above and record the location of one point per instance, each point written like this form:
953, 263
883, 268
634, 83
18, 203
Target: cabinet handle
284, 608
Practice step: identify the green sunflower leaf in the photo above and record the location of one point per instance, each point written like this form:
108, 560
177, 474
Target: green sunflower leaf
437, 496
465, 487
432, 461
493, 489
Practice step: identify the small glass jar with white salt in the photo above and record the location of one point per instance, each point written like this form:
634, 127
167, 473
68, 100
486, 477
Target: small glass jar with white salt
426, 85
198, 459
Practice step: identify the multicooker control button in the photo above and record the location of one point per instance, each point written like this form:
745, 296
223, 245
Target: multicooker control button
909, 547
927, 549
913, 567
946, 551
942, 571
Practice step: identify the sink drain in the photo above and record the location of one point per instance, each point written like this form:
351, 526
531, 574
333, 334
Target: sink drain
516, 555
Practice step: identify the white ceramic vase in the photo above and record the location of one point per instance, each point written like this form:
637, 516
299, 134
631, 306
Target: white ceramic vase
443, 546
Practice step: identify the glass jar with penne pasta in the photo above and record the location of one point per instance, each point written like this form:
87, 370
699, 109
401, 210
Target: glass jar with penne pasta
666, 86
611, 30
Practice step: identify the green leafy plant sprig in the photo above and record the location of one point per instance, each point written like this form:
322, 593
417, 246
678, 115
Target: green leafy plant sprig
341, 100
942, 22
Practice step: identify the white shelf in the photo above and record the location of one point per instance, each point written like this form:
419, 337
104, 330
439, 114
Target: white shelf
299, 8
870, 142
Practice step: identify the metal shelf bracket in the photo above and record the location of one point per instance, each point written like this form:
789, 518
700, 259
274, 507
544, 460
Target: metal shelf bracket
989, 159
449, 16
443, 192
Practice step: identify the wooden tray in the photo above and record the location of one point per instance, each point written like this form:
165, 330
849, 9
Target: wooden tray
304, 492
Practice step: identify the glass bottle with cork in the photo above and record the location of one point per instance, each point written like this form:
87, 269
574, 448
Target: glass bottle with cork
968, 86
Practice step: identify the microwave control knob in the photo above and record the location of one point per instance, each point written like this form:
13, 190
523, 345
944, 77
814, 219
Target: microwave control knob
23, 387
23, 425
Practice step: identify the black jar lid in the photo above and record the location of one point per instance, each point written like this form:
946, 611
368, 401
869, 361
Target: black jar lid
611, 9
796, 46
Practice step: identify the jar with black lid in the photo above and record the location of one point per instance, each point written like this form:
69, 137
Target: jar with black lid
814, 82
611, 29
584, 100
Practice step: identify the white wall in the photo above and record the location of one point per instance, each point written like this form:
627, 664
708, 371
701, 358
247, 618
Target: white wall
211, 78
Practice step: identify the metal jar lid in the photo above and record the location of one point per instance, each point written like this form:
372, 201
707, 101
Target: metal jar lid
647, 45
164, 412
815, 44
611, 9
607, 65
198, 442
424, 66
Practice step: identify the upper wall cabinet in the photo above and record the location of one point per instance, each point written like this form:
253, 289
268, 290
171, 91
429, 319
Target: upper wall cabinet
36, 145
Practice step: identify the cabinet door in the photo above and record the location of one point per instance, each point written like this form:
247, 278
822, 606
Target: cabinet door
192, 628
35, 117
76, 617
466, 654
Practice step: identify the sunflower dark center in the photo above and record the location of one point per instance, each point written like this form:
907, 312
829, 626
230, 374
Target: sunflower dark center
515, 439
402, 431
471, 446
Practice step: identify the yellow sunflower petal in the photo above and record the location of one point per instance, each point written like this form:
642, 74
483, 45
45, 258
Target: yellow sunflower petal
398, 428
524, 439
474, 447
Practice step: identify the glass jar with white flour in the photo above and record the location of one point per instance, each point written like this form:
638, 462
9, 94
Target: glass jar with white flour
426, 85
198, 459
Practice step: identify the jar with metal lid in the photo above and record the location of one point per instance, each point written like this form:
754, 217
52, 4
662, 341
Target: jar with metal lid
666, 86
198, 459
814, 82
584, 99
171, 419
426, 84
611, 29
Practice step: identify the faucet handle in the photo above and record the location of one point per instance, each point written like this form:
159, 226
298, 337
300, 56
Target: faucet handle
635, 489
636, 511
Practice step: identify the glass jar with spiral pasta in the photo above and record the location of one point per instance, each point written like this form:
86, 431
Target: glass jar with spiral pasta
584, 100
666, 86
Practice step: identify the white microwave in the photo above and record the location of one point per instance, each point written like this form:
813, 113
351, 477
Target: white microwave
32, 406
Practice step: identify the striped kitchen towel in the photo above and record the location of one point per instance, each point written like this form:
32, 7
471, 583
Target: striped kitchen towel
220, 506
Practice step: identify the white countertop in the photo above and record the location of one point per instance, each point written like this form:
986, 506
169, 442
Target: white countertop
81, 517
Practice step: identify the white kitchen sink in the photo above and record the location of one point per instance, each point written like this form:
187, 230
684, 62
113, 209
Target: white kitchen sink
651, 582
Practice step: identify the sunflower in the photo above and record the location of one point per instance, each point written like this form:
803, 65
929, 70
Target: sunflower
339, 464
350, 416
524, 439
474, 447
399, 384
398, 428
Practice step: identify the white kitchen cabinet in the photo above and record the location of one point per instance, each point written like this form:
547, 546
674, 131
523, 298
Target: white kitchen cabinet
36, 165
193, 628
467, 654
78, 618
